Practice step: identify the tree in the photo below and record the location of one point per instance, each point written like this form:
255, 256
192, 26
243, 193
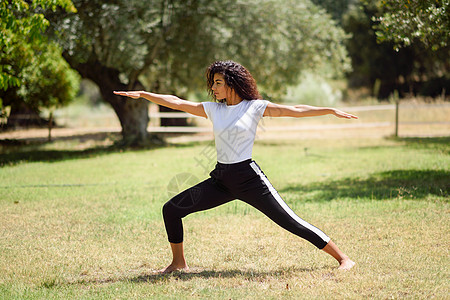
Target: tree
413, 69
166, 45
32, 71
46, 80
406, 21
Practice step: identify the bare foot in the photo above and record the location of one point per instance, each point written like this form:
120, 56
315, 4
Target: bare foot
346, 264
174, 267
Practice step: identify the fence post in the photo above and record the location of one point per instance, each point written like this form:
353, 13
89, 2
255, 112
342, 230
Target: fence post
50, 126
397, 104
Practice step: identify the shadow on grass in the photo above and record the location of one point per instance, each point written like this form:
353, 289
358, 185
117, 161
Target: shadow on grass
10, 159
13, 152
431, 143
206, 274
408, 184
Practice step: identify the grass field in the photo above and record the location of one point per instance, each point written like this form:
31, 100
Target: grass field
87, 224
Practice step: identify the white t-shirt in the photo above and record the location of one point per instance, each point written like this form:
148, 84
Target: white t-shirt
235, 128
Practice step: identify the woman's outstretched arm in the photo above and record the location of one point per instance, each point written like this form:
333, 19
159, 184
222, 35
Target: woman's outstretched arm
298, 111
170, 101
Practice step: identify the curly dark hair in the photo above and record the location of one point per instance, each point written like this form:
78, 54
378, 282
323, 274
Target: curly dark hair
236, 77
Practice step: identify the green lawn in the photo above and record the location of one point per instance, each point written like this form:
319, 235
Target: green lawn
87, 224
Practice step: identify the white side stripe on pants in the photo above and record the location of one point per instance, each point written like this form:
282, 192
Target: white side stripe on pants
283, 204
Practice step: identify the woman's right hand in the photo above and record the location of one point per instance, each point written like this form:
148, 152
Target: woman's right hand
170, 101
131, 94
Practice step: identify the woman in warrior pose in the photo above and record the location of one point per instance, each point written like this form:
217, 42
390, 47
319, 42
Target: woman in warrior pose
235, 115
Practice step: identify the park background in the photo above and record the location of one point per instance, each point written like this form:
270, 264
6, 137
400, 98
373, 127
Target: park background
84, 173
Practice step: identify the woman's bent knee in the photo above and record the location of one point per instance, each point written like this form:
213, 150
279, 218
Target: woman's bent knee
171, 211
168, 209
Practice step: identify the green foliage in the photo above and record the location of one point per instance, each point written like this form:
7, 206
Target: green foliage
165, 46
31, 68
21, 25
406, 21
48, 81
45, 79
408, 69
420, 67
168, 44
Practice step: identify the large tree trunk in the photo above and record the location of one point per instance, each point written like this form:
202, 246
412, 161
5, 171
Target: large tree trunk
132, 114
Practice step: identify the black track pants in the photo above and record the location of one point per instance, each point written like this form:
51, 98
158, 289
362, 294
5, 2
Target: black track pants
244, 181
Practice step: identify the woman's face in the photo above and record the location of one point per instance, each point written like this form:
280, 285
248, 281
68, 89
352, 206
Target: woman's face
220, 88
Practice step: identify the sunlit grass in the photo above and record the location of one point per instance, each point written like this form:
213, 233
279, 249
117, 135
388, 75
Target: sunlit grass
87, 224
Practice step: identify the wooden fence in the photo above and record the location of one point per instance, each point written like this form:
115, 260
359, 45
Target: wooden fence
395, 122
390, 118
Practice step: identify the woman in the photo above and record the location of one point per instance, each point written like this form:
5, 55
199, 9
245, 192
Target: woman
235, 117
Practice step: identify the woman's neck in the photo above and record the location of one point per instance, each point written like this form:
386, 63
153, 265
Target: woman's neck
235, 99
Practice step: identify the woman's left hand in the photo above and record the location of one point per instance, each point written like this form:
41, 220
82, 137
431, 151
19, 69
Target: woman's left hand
341, 114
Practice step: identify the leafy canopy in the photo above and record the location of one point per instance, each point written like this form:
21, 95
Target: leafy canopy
31, 68
21, 26
168, 44
407, 20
